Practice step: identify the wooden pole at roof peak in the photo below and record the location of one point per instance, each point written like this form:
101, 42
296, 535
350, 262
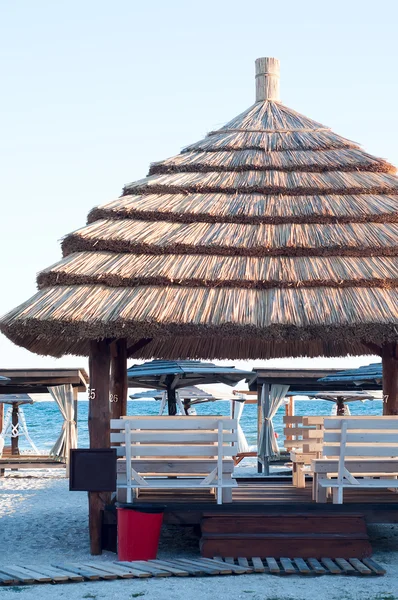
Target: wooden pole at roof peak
390, 378
118, 382
267, 79
99, 430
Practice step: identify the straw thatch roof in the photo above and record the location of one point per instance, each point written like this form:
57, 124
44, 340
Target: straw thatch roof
273, 236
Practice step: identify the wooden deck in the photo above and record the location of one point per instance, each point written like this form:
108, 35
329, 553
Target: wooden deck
275, 495
29, 461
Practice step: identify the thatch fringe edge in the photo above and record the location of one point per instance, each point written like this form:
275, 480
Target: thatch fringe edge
75, 243
55, 332
99, 213
174, 348
61, 278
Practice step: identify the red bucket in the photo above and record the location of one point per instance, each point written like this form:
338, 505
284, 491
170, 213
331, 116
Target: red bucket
138, 533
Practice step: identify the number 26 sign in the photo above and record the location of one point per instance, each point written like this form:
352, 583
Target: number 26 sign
92, 395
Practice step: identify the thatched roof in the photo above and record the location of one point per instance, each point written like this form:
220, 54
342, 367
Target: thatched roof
273, 236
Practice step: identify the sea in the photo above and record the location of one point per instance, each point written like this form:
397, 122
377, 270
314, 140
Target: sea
44, 421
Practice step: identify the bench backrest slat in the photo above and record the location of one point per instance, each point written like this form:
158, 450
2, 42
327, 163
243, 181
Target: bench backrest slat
358, 451
292, 420
172, 437
314, 421
305, 445
175, 450
389, 423
367, 437
305, 433
174, 423
362, 437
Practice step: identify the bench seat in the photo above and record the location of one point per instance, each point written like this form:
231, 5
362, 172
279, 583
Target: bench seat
361, 452
323, 469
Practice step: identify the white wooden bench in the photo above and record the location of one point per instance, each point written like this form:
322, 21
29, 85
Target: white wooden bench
304, 439
364, 453
182, 452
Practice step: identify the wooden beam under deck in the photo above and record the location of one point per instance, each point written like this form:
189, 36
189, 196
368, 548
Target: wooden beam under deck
268, 496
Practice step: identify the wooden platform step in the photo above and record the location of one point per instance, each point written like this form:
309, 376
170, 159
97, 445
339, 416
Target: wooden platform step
300, 535
92, 570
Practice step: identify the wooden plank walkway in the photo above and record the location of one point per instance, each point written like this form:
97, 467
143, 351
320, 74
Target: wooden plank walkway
192, 567
310, 566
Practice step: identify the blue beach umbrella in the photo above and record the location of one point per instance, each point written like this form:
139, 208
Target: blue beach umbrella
371, 375
171, 375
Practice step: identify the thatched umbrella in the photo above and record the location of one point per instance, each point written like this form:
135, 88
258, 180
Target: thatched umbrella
171, 375
191, 392
341, 398
14, 427
189, 396
371, 375
271, 237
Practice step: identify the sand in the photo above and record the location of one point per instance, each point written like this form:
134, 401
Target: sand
42, 522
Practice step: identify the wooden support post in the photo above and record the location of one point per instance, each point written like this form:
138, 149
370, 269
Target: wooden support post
75, 413
390, 378
14, 421
67, 461
265, 410
259, 424
118, 384
1, 429
99, 429
340, 407
171, 396
289, 412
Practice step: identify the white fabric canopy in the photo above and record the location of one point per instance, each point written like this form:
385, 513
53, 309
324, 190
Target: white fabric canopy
268, 446
63, 396
243, 446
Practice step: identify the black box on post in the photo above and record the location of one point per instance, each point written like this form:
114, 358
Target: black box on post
92, 470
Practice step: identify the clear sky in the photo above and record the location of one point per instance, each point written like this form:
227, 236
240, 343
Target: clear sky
92, 91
